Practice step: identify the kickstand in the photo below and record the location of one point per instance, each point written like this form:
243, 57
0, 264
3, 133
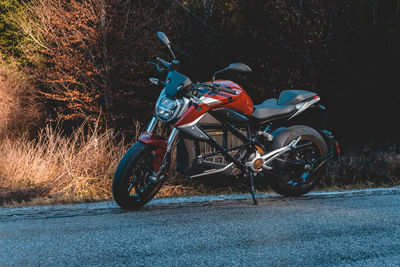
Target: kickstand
253, 195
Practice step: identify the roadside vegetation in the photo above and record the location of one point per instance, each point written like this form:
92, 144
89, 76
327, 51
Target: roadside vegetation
74, 92
54, 168
74, 168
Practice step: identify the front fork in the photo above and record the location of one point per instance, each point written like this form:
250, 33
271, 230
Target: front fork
173, 136
164, 147
152, 125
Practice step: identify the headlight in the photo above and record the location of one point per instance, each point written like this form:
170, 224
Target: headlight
168, 103
164, 113
168, 109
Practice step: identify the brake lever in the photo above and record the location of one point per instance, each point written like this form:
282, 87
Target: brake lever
215, 87
163, 62
157, 66
196, 101
152, 63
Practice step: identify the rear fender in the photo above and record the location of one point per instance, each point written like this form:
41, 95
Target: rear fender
331, 142
280, 135
157, 141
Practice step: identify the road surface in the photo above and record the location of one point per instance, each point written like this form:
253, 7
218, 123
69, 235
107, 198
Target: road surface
357, 228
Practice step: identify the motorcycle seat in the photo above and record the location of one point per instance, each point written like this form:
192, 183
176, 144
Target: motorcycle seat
270, 109
293, 97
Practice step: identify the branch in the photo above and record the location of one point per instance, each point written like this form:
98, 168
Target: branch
191, 13
305, 56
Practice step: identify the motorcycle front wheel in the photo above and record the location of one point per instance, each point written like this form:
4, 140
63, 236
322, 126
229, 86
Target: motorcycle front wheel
132, 187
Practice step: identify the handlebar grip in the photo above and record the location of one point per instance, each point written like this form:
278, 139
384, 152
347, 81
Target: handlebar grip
165, 63
227, 90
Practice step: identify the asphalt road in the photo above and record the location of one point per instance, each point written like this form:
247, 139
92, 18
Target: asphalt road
329, 229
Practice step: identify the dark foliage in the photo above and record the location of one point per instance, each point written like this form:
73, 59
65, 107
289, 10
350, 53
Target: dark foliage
9, 32
347, 51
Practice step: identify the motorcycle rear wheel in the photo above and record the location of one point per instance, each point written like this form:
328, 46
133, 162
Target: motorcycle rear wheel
132, 187
297, 183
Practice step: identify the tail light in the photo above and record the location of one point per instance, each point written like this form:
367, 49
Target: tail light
338, 149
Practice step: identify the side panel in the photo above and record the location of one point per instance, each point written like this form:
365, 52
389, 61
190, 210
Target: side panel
209, 101
228, 115
194, 131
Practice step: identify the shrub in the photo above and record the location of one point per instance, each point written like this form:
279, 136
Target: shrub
90, 55
373, 165
79, 167
10, 33
20, 111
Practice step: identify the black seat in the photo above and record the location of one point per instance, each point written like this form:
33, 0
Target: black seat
293, 97
270, 109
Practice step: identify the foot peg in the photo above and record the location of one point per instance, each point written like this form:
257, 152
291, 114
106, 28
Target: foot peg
155, 178
266, 135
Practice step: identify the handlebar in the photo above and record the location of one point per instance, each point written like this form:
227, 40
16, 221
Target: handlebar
165, 63
157, 67
167, 66
216, 88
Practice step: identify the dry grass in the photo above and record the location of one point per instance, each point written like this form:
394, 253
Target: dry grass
75, 168
373, 165
19, 109
55, 169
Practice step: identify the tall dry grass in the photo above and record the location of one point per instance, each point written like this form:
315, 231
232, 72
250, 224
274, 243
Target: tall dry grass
20, 110
372, 165
80, 167
75, 168
55, 168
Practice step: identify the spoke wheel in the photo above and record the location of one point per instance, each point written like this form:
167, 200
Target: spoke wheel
132, 186
139, 183
304, 159
300, 175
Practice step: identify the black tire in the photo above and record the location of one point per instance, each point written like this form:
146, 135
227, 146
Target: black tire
286, 184
125, 178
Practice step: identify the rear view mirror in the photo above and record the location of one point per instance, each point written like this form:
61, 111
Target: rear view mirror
241, 67
163, 38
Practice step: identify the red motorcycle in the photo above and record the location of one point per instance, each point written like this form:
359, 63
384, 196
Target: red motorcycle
218, 131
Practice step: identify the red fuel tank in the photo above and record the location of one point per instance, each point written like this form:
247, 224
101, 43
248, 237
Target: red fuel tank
239, 102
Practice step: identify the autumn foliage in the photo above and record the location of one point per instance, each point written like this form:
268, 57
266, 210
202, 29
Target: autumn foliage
94, 53
20, 110
89, 57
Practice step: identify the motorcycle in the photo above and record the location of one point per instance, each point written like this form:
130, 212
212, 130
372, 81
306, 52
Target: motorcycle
219, 131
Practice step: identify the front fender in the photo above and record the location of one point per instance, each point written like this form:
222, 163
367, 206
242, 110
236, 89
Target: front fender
156, 141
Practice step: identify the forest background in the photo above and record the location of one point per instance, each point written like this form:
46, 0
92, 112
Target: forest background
74, 90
